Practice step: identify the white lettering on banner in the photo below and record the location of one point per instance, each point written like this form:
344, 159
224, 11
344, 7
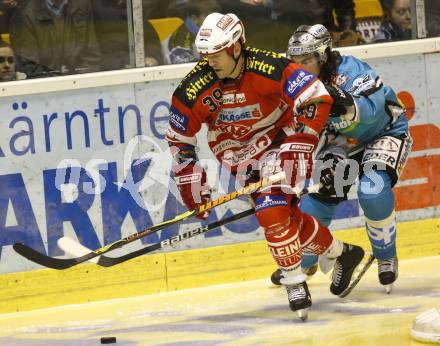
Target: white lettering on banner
67, 130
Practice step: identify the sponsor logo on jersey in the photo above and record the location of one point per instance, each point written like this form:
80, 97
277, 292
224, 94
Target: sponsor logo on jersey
259, 65
387, 143
240, 98
343, 125
364, 84
269, 201
177, 120
380, 237
340, 80
237, 131
193, 88
224, 145
305, 148
232, 115
188, 179
233, 98
234, 158
385, 149
297, 82
404, 157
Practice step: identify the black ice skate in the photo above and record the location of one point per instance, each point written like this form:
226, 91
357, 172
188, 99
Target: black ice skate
277, 276
300, 299
344, 268
388, 272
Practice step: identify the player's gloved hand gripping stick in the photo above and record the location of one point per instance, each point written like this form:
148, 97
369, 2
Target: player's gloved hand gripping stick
74, 248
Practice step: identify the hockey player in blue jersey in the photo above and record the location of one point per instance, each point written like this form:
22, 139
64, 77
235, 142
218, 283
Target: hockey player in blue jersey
367, 132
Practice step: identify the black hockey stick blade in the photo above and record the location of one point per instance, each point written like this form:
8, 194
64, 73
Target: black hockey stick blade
106, 261
60, 263
359, 276
47, 261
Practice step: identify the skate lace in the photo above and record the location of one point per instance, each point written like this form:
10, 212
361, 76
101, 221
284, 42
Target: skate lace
296, 292
337, 273
387, 265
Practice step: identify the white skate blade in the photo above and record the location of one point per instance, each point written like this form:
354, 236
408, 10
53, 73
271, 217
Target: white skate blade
303, 314
74, 248
359, 272
388, 288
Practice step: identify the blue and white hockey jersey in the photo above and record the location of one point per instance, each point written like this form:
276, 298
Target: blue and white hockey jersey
378, 111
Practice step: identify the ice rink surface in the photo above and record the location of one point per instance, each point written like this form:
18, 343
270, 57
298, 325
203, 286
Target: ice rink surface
246, 313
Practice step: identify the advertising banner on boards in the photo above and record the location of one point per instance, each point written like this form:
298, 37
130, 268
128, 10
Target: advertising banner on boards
93, 165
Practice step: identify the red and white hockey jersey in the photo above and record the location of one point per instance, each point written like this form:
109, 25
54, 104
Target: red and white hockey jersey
245, 115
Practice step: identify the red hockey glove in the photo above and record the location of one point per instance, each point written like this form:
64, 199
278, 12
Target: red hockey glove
296, 156
191, 182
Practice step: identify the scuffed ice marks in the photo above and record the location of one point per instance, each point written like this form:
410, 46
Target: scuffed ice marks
71, 326
59, 342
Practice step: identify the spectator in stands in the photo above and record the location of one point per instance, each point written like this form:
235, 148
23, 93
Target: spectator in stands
432, 9
153, 48
111, 23
180, 47
343, 30
396, 23
6, 9
110, 17
8, 65
260, 25
55, 37
152, 9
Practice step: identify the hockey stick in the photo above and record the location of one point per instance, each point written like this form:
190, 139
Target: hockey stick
64, 263
74, 248
361, 273
105, 261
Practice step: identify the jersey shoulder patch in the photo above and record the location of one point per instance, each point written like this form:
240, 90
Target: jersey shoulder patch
198, 80
361, 80
265, 63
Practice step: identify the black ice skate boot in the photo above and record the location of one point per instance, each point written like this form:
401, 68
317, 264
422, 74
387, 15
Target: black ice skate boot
344, 268
300, 299
388, 272
277, 276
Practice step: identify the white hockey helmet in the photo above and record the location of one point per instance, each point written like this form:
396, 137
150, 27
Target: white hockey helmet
310, 39
218, 32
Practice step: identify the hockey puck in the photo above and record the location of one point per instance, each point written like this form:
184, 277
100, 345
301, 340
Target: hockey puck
108, 340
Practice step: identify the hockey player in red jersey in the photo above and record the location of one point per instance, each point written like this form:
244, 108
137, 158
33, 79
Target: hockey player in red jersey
264, 115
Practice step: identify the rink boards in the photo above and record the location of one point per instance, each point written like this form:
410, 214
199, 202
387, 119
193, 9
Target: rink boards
85, 157
180, 270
